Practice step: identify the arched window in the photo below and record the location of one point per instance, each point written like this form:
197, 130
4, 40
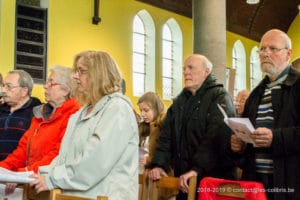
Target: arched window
239, 64
171, 59
143, 57
255, 71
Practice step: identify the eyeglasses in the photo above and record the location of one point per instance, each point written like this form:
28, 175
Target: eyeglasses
80, 71
270, 49
51, 83
9, 87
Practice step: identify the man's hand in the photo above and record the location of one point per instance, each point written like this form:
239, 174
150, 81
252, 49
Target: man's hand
39, 184
156, 173
184, 180
262, 137
237, 145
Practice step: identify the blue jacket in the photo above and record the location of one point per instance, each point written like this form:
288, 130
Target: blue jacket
13, 125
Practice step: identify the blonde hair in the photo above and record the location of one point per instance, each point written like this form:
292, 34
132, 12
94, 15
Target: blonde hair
156, 104
103, 75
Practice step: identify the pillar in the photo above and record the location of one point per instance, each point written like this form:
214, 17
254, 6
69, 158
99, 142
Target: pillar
209, 28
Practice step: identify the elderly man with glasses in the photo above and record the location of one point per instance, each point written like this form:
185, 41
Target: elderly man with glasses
16, 112
274, 109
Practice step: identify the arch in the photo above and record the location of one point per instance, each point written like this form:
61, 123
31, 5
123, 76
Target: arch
255, 71
239, 64
143, 53
171, 59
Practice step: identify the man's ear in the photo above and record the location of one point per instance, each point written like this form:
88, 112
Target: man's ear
289, 53
207, 71
25, 91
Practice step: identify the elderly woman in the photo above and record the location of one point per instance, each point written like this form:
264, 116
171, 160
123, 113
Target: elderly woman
99, 153
41, 142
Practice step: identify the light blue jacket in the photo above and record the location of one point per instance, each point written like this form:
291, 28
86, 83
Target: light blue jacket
99, 152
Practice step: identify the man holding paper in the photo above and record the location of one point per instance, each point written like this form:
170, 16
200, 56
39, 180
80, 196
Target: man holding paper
274, 109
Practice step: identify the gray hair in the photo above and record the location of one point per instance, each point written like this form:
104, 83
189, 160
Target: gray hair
25, 79
288, 41
63, 75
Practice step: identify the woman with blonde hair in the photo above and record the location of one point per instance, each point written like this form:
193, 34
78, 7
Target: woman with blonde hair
99, 153
153, 114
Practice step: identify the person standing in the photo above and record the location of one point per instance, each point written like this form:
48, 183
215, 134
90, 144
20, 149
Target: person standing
273, 108
153, 114
16, 112
99, 152
194, 136
240, 101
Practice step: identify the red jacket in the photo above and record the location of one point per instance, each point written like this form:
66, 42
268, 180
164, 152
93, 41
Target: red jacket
41, 142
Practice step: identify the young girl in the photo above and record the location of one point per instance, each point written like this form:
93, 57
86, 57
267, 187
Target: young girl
152, 111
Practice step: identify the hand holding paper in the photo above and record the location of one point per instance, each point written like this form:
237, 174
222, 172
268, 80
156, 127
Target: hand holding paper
242, 127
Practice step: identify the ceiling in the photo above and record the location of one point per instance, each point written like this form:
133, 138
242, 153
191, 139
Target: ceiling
251, 21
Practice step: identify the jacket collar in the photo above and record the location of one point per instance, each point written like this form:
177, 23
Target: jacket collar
101, 103
30, 103
46, 111
209, 82
292, 76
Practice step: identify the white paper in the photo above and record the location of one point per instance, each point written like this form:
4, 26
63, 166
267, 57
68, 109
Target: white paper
14, 177
242, 127
16, 195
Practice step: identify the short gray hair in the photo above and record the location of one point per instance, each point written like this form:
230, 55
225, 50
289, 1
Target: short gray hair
288, 42
64, 77
25, 79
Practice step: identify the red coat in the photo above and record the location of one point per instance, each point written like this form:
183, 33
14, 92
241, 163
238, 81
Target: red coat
41, 142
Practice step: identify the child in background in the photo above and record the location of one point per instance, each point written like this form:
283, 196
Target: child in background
153, 113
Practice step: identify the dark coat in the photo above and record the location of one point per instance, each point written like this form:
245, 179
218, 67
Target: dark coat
194, 135
286, 135
13, 125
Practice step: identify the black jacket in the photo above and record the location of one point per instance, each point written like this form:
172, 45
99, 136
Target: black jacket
194, 135
286, 136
